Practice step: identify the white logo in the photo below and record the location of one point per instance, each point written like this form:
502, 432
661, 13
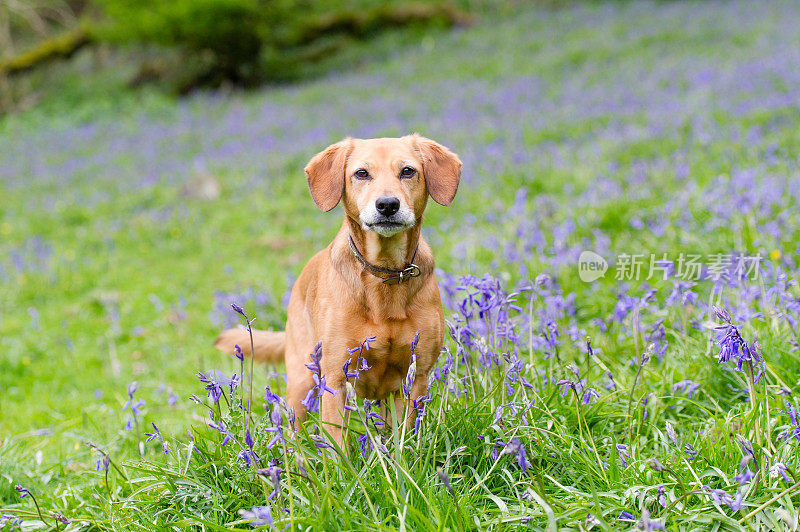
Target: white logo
591, 266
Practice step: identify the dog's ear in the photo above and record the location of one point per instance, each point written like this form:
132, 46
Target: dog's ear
325, 174
442, 169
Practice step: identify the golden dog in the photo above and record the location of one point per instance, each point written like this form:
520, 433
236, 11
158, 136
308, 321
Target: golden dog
375, 279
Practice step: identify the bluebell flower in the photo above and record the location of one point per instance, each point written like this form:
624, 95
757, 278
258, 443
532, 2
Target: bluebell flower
135, 407
515, 448
411, 374
745, 473
622, 451
61, 518
655, 465
248, 456
610, 384
565, 384
258, 516
371, 414
419, 405
273, 473
10, 521
444, 479
156, 435
589, 396
102, 462
132, 387
276, 418
346, 370
671, 433
271, 397
733, 346
365, 443
316, 356
793, 431
221, 428
779, 468
23, 492
311, 400
213, 388
686, 386
361, 361
646, 524
690, 450
363, 366
723, 497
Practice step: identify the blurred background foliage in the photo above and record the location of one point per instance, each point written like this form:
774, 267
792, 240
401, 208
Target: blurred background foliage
181, 45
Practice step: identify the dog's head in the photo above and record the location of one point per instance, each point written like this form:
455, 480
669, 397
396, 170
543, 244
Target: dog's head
385, 182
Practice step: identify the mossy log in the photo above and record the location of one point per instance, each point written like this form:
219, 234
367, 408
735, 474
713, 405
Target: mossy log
360, 23
60, 47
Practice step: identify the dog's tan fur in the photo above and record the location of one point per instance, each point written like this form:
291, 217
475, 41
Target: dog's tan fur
336, 301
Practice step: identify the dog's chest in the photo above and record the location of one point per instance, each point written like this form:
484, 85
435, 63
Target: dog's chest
389, 359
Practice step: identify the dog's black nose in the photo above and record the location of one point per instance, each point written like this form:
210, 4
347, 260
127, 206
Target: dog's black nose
387, 205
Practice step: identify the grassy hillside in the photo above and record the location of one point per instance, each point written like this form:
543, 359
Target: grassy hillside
645, 128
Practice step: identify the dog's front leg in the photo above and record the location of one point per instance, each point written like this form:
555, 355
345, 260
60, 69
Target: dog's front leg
333, 414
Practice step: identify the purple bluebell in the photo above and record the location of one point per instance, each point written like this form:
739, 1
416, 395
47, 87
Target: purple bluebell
793, 430
515, 448
10, 521
723, 497
745, 473
273, 473
589, 396
61, 518
690, 450
622, 452
419, 405
270, 397
444, 478
213, 388
671, 433
656, 465
258, 516
102, 462
365, 443
646, 524
733, 346
686, 386
778, 468
276, 418
156, 434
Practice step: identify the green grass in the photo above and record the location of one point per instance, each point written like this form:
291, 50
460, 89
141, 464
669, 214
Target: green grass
629, 127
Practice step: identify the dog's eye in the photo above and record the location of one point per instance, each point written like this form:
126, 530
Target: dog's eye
407, 172
362, 174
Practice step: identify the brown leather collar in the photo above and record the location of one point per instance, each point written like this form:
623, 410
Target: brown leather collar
388, 275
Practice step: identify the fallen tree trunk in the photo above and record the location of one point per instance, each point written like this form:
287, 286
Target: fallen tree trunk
360, 23
60, 47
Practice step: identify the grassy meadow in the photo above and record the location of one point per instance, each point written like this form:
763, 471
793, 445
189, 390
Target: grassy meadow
656, 134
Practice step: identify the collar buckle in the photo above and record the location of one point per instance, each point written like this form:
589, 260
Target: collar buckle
404, 275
